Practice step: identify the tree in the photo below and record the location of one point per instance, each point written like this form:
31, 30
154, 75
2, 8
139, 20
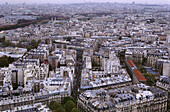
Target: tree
4, 61
66, 99
39, 41
15, 86
75, 110
8, 43
143, 69
33, 43
10, 60
5, 56
54, 105
69, 106
52, 102
61, 109
29, 48
2, 39
150, 79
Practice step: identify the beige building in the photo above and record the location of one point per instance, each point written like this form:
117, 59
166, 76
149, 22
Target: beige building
134, 98
166, 69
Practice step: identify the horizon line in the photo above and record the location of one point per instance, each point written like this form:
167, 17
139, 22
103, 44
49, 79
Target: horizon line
6, 3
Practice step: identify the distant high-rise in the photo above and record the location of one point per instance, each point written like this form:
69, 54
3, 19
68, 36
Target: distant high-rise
24, 3
6, 3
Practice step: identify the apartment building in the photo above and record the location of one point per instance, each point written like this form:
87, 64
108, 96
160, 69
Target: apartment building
133, 98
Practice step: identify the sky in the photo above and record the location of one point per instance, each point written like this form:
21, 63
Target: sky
82, 1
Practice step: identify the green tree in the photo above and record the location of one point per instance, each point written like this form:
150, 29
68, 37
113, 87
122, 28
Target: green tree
54, 105
15, 86
66, 99
29, 48
143, 69
33, 43
52, 102
4, 61
8, 43
150, 79
69, 106
39, 41
10, 60
2, 39
75, 110
61, 109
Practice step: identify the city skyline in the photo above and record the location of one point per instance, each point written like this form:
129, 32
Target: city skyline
82, 1
84, 56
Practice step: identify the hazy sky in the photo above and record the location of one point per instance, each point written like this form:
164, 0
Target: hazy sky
81, 1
